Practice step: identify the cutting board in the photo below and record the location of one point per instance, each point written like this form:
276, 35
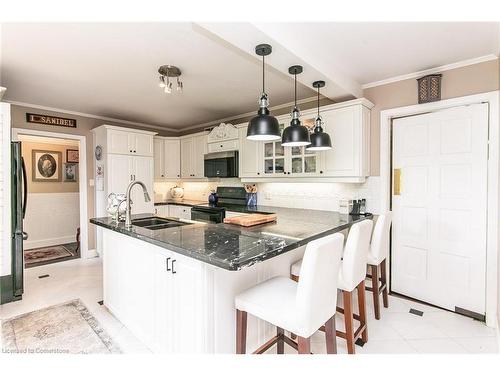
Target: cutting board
250, 219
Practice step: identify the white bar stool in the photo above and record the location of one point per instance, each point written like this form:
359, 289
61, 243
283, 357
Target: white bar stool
300, 308
377, 255
351, 276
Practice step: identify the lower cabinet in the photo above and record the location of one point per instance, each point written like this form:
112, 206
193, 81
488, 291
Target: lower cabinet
181, 212
179, 313
156, 293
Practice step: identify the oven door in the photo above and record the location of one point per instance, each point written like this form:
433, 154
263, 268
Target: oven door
207, 215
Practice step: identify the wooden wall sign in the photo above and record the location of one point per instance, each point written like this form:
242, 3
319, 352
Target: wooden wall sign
51, 120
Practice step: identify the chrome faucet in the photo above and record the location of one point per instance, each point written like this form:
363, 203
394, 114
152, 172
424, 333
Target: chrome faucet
128, 210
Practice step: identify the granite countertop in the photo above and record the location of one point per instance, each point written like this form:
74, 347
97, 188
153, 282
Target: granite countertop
233, 247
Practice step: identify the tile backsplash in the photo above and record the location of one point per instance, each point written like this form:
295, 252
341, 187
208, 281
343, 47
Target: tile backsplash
316, 196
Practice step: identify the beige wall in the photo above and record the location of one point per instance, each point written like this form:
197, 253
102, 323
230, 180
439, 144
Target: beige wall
468, 80
83, 127
47, 186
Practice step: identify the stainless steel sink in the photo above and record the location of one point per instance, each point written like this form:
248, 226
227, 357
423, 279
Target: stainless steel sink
155, 223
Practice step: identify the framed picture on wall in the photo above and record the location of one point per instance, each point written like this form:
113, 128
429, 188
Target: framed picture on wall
72, 156
46, 166
70, 172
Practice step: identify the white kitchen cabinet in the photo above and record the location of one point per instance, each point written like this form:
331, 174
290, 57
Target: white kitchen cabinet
161, 211
193, 149
117, 167
347, 123
181, 212
129, 141
349, 129
167, 158
126, 168
250, 156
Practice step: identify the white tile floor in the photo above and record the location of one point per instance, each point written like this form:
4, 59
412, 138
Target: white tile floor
398, 331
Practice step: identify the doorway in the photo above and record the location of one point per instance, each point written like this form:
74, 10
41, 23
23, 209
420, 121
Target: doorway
52, 218
56, 213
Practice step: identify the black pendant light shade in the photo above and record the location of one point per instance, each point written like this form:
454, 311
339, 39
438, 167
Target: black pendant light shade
320, 141
296, 134
263, 127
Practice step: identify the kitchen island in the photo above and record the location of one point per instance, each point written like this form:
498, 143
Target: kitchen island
174, 288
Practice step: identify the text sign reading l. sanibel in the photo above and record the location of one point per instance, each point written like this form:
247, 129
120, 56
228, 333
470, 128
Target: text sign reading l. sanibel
51, 120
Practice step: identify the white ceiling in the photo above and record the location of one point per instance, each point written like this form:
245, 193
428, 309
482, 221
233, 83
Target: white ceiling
110, 69
374, 51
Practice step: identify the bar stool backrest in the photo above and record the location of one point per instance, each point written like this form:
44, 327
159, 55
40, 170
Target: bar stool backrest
356, 254
379, 247
316, 299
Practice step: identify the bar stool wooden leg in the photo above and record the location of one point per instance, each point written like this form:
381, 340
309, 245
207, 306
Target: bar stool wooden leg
280, 344
331, 337
362, 310
383, 279
304, 345
349, 321
241, 332
375, 291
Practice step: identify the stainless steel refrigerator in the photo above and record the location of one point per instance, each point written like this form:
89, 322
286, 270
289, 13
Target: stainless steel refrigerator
19, 196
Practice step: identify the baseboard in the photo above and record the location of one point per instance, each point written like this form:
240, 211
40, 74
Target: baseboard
92, 253
48, 242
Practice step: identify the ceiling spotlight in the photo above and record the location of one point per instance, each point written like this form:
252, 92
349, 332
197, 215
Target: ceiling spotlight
167, 72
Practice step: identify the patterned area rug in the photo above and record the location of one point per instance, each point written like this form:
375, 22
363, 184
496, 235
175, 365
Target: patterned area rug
66, 328
43, 254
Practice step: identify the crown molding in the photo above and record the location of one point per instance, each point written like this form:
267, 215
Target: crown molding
437, 69
89, 115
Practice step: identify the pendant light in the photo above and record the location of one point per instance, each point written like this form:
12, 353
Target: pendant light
296, 134
320, 140
263, 127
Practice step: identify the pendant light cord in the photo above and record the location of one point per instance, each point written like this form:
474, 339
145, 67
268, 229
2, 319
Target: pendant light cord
295, 90
318, 101
263, 77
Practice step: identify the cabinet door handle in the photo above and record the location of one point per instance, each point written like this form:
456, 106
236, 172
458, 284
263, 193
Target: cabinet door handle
167, 261
173, 262
258, 173
320, 171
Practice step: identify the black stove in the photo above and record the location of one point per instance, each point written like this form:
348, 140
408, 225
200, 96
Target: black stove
230, 199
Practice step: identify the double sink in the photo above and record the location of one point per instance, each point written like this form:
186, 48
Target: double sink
155, 223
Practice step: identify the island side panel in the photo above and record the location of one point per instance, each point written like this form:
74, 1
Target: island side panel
228, 284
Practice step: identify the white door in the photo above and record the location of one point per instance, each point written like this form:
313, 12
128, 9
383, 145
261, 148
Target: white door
163, 301
142, 171
439, 228
172, 158
141, 144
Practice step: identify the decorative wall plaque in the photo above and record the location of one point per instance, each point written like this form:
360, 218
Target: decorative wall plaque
429, 88
51, 120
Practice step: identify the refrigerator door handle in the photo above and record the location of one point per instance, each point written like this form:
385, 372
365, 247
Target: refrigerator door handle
25, 188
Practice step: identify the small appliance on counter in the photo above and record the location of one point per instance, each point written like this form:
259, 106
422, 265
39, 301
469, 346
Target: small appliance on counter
345, 206
177, 192
358, 207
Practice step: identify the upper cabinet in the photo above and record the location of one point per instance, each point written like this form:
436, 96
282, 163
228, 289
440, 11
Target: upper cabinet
131, 142
167, 158
349, 129
250, 158
193, 149
348, 125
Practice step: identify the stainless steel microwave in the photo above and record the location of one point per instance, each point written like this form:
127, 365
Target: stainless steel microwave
221, 164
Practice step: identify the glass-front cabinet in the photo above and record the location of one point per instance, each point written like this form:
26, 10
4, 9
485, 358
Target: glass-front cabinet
282, 161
